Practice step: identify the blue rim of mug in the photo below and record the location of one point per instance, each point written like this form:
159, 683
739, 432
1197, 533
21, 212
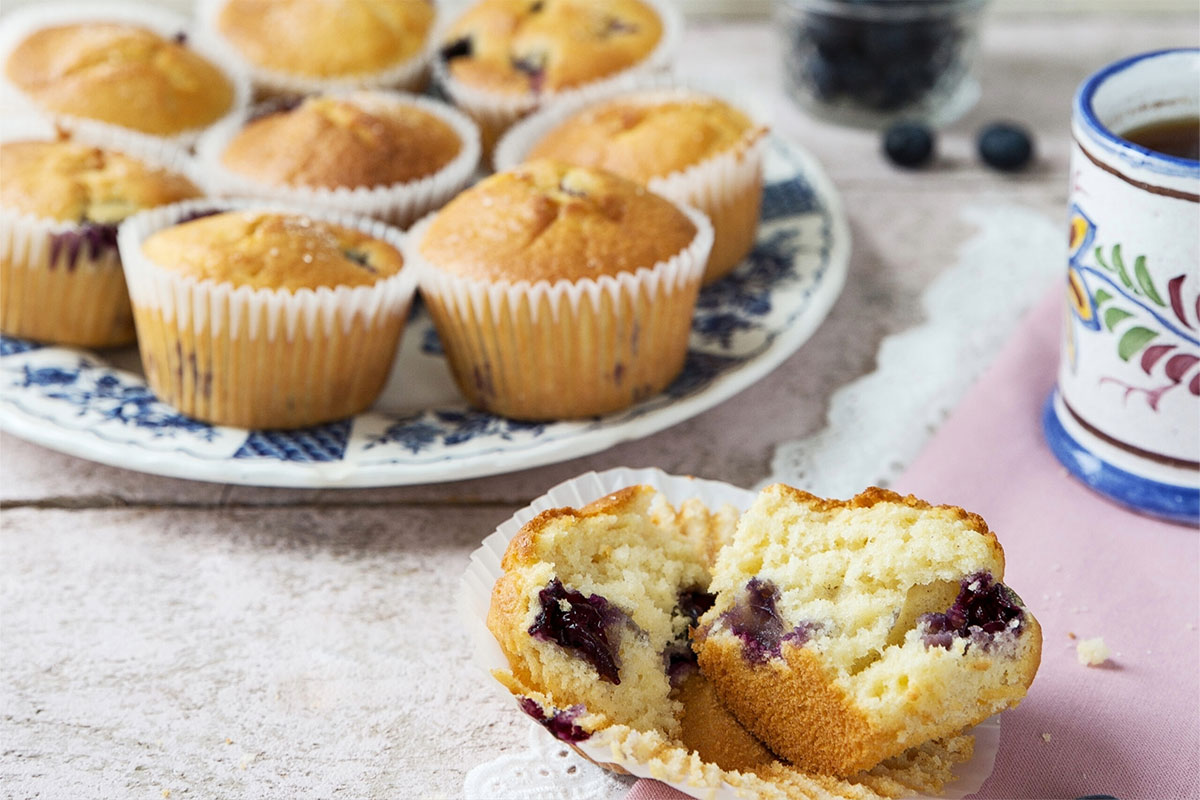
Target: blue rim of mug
1136, 154
1167, 501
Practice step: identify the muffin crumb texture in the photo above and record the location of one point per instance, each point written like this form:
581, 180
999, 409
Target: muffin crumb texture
267, 250
549, 221
121, 74
328, 142
1092, 652
299, 37
519, 46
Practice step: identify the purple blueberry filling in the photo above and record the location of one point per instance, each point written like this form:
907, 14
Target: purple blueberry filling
679, 659
560, 723
459, 48
580, 624
533, 65
755, 620
359, 258
983, 610
90, 238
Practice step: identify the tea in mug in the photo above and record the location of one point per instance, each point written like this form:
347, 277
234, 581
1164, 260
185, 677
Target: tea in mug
1173, 137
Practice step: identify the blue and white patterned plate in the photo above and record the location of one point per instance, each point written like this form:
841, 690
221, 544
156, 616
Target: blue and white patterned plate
421, 431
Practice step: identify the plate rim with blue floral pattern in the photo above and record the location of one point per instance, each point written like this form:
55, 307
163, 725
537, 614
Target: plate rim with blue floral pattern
80, 403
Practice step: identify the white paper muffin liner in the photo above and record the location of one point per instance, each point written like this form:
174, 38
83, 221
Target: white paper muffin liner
309, 334
484, 570
408, 75
398, 204
719, 185
496, 111
484, 314
17, 26
77, 290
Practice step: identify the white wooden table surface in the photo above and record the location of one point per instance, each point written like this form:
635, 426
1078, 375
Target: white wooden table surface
162, 636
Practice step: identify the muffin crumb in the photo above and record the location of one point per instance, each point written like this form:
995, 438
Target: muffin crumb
1092, 652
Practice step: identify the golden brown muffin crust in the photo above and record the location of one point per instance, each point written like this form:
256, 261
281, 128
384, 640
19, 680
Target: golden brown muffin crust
327, 38
521, 46
550, 221
642, 139
65, 180
121, 74
267, 250
328, 142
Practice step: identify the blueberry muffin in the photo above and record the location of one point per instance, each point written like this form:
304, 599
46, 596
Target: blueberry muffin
122, 74
260, 318
593, 611
61, 201
690, 147
384, 154
561, 292
502, 58
844, 633
304, 46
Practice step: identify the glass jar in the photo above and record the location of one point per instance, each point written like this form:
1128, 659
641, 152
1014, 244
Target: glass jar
869, 63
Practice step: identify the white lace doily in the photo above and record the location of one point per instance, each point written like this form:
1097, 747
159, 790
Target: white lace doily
877, 425
545, 770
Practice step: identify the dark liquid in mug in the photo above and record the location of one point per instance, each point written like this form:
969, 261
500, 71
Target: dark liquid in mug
1174, 137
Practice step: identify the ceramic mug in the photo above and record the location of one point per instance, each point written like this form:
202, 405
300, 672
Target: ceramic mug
1125, 416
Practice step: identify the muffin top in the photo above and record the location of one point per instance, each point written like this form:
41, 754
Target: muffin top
642, 139
121, 74
66, 180
270, 250
546, 220
521, 46
328, 142
327, 38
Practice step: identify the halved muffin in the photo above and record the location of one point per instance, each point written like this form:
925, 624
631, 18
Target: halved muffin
845, 632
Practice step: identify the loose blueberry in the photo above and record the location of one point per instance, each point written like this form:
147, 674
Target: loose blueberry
908, 144
580, 624
1005, 146
560, 723
983, 610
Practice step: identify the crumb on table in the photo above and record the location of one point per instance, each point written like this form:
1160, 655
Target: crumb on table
1092, 652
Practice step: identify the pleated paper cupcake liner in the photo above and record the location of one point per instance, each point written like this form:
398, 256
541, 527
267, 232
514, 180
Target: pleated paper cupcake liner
647, 754
61, 282
410, 75
727, 186
495, 112
398, 204
257, 357
19, 25
567, 349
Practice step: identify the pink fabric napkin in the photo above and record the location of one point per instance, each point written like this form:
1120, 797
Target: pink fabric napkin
1131, 727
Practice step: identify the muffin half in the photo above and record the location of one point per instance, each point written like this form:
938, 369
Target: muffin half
845, 632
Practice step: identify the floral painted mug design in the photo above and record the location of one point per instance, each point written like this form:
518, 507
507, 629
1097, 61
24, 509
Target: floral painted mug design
1125, 415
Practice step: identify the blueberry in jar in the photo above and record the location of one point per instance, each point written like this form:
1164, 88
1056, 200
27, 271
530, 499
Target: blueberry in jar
1005, 146
908, 144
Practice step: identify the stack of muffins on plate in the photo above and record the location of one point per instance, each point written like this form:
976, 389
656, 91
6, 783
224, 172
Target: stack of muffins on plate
262, 162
